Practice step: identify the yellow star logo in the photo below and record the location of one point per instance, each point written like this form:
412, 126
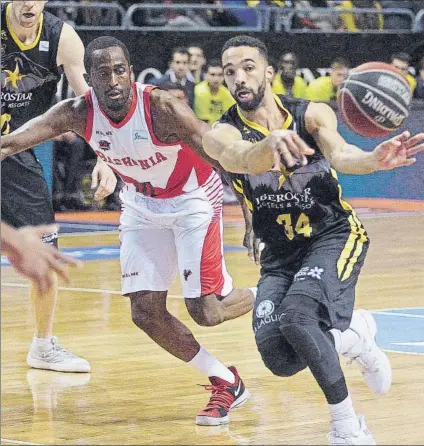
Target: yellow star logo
13, 77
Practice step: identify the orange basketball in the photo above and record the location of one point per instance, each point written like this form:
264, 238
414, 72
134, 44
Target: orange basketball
374, 100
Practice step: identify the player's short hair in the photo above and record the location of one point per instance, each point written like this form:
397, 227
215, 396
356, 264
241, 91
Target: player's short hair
340, 62
246, 41
101, 43
404, 57
213, 63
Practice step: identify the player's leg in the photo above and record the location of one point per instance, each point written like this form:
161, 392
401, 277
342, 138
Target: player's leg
277, 353
149, 265
207, 286
198, 238
317, 301
27, 201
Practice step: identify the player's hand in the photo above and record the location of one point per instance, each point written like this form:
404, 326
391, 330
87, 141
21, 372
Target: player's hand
288, 148
398, 151
104, 179
251, 242
38, 261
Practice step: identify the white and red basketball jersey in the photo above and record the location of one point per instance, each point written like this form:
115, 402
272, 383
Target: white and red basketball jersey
132, 150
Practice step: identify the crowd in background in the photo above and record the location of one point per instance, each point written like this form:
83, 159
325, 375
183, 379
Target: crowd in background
306, 17
199, 82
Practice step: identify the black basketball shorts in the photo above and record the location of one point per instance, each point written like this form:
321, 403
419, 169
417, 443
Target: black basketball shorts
327, 271
25, 196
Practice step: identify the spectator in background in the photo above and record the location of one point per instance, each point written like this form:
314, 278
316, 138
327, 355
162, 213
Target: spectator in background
350, 21
312, 19
419, 90
325, 88
211, 98
402, 61
177, 73
196, 63
286, 81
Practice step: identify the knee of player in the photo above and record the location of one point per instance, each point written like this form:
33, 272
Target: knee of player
277, 361
143, 313
205, 310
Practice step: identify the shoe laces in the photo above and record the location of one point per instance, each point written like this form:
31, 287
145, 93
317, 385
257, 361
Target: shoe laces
57, 350
221, 397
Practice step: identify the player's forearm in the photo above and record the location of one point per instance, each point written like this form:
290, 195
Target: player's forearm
353, 160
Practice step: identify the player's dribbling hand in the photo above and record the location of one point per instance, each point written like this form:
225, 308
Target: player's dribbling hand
397, 151
37, 260
107, 179
252, 243
289, 148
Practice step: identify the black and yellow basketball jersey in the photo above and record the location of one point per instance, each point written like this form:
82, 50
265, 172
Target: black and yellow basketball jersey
292, 208
29, 73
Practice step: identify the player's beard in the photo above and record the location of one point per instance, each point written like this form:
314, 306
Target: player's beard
254, 103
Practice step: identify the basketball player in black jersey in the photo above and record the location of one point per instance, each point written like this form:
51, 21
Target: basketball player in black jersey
36, 47
283, 153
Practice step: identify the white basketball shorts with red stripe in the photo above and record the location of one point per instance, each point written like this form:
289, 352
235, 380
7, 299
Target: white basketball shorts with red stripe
160, 236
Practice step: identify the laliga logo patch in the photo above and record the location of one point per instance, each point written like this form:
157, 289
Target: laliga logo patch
265, 308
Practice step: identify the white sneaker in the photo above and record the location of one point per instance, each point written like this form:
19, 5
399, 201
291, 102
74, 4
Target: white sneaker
374, 363
362, 437
55, 357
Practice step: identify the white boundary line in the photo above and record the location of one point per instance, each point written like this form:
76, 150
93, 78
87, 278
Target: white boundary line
21, 442
78, 290
387, 313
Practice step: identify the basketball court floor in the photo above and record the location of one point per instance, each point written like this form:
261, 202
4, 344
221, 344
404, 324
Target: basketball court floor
138, 394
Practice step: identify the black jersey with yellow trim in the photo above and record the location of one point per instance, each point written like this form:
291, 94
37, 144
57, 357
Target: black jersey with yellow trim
29, 73
292, 208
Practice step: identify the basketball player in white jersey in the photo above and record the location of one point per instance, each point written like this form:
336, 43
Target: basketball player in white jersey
172, 208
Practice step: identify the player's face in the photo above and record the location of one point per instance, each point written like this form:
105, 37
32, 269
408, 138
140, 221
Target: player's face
27, 13
110, 77
197, 58
215, 77
179, 65
288, 66
338, 75
246, 74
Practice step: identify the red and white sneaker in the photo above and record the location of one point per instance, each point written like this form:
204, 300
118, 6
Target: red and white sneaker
225, 396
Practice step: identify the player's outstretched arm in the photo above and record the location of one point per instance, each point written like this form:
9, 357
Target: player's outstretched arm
68, 115
321, 122
225, 144
32, 258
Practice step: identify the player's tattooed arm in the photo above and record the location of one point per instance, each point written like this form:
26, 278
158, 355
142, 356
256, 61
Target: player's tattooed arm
66, 116
173, 120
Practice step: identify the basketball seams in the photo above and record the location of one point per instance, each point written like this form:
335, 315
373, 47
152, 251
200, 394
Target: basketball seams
363, 113
382, 93
396, 75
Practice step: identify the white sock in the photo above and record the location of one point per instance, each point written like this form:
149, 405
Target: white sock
210, 366
254, 290
344, 340
43, 342
343, 417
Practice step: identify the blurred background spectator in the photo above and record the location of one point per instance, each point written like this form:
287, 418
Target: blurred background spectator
419, 90
178, 71
402, 61
352, 21
211, 98
325, 88
196, 64
286, 81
